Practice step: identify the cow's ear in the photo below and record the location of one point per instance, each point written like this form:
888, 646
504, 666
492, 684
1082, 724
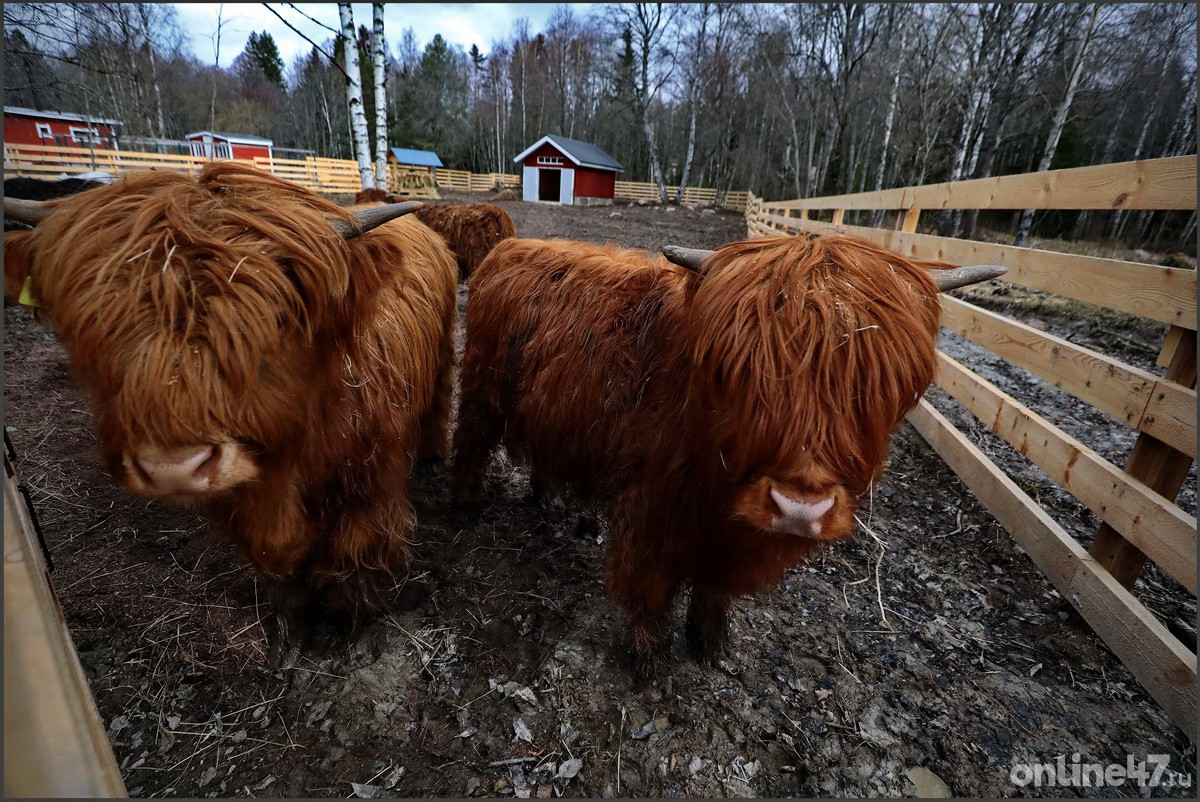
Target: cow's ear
18, 257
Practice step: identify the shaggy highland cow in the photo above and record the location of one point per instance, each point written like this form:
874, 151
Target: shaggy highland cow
728, 419
470, 229
258, 353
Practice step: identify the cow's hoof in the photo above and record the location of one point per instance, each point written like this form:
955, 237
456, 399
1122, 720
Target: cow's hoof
648, 668
707, 634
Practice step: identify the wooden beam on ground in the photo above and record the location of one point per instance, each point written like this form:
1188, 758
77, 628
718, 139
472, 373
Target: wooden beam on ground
1156, 525
54, 741
1165, 294
1156, 463
1143, 401
1163, 665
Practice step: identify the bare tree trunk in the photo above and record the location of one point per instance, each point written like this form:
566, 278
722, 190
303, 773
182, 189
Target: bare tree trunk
158, 106
889, 119
354, 98
691, 152
212, 109
1060, 120
696, 89
381, 137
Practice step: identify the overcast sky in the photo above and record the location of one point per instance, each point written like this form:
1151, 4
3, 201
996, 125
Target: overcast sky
459, 23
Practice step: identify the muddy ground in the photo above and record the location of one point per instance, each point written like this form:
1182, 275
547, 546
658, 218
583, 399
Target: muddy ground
927, 655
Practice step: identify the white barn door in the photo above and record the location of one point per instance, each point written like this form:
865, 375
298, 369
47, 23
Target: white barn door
529, 184
566, 192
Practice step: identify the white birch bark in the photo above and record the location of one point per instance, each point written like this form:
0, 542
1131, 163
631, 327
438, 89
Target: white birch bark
381, 138
354, 98
1060, 119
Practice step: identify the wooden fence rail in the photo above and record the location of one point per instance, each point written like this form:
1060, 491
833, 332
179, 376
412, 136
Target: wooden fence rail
1135, 503
319, 174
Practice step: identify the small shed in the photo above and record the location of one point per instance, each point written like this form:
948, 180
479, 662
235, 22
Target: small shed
24, 126
221, 145
413, 173
562, 170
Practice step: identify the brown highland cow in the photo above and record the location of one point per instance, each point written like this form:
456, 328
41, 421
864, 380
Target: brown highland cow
728, 419
250, 352
470, 229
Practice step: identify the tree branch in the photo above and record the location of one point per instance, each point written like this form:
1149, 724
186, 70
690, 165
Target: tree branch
310, 41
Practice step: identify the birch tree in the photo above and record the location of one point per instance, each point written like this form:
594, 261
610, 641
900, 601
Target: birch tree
381, 138
649, 23
354, 98
1060, 118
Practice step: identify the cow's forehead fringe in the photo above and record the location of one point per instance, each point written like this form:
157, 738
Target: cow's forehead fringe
160, 238
823, 337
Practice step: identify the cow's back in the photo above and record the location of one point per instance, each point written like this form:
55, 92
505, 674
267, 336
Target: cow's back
392, 367
580, 348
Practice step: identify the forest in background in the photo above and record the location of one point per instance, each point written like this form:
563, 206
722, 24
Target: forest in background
787, 100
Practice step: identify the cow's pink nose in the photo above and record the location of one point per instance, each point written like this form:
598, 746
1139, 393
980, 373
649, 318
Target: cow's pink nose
178, 470
799, 516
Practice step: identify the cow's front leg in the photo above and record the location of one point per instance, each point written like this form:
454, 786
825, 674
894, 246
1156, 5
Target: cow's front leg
289, 622
644, 585
271, 529
707, 627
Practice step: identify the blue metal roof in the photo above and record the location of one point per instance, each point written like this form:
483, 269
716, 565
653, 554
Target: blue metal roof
421, 158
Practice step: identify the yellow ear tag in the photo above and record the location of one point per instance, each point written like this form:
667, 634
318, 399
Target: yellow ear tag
26, 296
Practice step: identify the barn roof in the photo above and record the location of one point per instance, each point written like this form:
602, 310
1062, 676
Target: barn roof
244, 139
421, 158
584, 154
58, 115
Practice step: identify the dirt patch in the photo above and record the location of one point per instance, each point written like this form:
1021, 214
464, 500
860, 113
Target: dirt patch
929, 641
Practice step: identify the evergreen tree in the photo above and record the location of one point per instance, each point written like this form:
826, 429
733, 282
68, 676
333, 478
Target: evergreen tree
262, 48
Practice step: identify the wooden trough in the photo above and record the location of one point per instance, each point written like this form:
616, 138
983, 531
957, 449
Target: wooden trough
1136, 504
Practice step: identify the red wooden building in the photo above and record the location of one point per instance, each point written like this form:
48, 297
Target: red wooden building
568, 171
32, 127
220, 145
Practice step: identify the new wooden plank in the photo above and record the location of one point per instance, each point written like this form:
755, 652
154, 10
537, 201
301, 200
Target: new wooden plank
1165, 294
1163, 665
55, 743
1157, 464
1142, 400
1168, 183
1154, 524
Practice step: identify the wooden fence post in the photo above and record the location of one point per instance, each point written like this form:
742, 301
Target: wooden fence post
909, 223
1155, 463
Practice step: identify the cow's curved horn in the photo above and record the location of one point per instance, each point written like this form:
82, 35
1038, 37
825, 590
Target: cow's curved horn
368, 219
26, 211
967, 274
691, 258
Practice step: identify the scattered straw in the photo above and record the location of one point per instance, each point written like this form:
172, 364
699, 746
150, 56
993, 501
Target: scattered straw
167, 261
235, 267
878, 555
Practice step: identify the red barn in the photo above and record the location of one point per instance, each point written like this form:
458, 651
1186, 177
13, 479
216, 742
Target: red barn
32, 127
220, 145
568, 171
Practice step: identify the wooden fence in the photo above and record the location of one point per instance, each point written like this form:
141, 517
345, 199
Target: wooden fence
1136, 504
319, 174
55, 744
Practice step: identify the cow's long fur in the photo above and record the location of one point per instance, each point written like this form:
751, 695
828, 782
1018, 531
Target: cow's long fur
223, 306
470, 229
679, 400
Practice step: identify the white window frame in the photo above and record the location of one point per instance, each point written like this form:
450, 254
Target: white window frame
551, 160
44, 131
208, 149
85, 136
